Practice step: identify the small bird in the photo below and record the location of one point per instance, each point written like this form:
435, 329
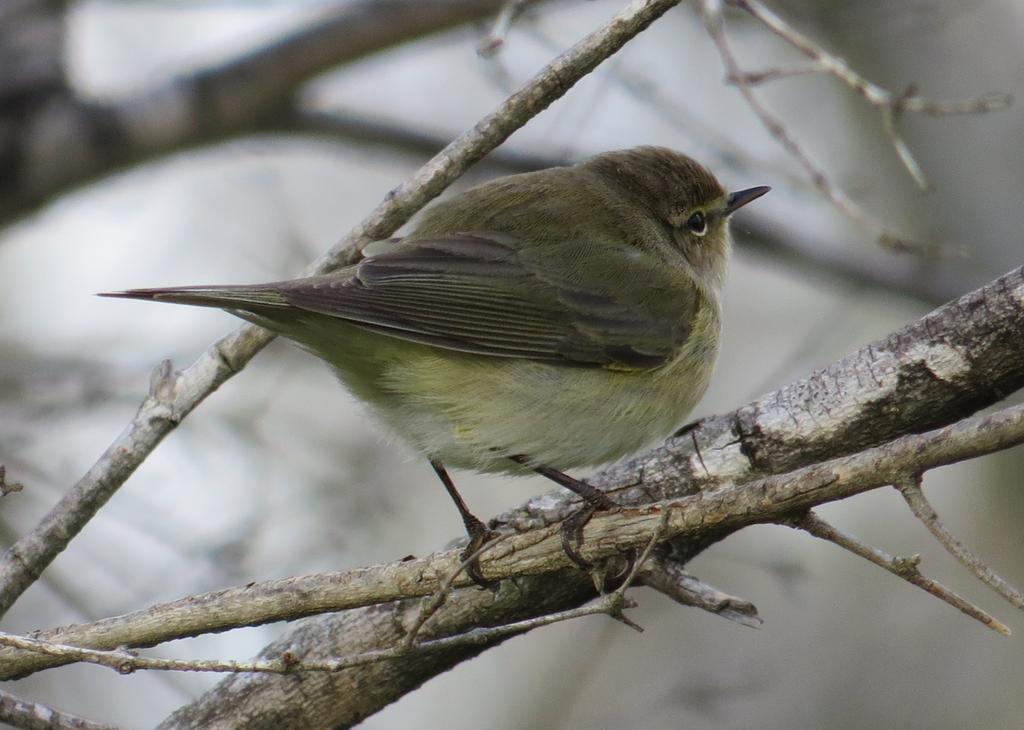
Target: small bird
550, 320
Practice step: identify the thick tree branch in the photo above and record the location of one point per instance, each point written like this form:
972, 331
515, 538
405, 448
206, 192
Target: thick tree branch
173, 395
538, 551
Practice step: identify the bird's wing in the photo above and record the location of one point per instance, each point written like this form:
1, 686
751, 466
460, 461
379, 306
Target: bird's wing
488, 294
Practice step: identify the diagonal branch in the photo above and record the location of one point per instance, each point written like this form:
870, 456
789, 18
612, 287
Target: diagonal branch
173, 395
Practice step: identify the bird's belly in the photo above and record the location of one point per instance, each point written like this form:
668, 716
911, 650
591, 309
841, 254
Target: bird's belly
474, 412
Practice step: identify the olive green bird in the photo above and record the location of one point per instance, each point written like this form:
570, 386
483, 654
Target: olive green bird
551, 320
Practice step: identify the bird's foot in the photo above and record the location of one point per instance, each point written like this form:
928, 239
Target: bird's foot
479, 536
572, 527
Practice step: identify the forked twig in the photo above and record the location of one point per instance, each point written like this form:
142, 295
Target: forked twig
715, 24
913, 494
905, 568
890, 106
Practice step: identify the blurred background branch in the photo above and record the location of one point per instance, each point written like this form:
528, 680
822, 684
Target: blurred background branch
55, 138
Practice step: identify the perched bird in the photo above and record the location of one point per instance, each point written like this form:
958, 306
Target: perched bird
550, 320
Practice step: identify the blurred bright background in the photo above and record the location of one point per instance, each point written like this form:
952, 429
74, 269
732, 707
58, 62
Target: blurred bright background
282, 473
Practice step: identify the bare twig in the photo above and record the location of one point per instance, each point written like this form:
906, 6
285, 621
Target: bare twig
616, 600
175, 395
714, 21
753, 78
431, 607
891, 106
891, 116
905, 568
670, 577
27, 715
878, 97
211, 103
911, 490
8, 487
494, 41
124, 661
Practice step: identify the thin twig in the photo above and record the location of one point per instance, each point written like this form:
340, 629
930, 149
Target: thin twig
494, 41
873, 93
127, 662
911, 490
714, 22
905, 568
8, 487
753, 78
20, 713
433, 605
160, 413
616, 600
890, 105
891, 116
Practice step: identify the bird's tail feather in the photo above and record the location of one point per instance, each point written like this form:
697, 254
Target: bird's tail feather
223, 297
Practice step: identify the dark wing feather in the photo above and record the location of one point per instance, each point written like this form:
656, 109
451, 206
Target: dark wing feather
491, 295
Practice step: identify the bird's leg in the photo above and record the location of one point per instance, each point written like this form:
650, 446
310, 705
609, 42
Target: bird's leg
477, 530
572, 528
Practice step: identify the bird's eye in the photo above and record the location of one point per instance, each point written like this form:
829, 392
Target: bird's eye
697, 223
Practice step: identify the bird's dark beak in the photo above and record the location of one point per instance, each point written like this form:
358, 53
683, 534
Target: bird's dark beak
738, 199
